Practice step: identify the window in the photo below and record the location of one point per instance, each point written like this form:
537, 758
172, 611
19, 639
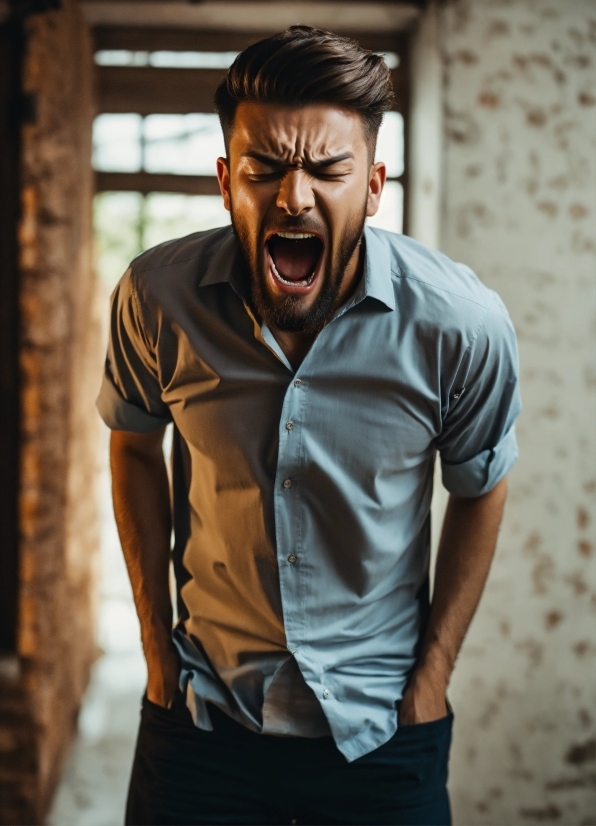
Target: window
156, 168
390, 150
172, 144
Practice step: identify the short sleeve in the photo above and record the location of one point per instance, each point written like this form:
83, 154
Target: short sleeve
130, 397
477, 443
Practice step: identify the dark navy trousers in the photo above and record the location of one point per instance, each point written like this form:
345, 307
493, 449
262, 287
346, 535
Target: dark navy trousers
184, 775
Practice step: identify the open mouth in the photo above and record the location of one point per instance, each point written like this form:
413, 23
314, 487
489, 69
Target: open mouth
294, 259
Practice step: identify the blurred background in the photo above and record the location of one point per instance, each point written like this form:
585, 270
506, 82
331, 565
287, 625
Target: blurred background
108, 143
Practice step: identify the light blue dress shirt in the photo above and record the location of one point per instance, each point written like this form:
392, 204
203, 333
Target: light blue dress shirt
302, 498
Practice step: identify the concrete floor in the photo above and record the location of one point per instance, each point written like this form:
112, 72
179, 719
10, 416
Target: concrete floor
94, 784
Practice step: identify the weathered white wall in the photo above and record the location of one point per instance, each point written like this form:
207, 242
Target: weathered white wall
519, 206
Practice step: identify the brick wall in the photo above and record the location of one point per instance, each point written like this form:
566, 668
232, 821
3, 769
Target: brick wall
41, 688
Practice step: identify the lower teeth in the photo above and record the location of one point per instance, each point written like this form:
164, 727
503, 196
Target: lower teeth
305, 283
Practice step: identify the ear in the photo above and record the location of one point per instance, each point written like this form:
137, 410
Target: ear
223, 177
378, 174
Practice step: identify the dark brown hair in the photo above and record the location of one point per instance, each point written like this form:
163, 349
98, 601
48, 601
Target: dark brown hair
301, 66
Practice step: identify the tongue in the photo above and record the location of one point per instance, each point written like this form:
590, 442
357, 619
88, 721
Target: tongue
295, 260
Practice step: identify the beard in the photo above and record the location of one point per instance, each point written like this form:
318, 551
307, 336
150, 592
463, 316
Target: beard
288, 315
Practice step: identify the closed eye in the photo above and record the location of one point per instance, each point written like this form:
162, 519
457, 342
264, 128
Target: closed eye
332, 168
262, 168
334, 172
267, 176
319, 174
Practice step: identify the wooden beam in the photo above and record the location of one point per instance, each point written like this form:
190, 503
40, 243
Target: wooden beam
188, 40
254, 16
171, 40
146, 182
147, 90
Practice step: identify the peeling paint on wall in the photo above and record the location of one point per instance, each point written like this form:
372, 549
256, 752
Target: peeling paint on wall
519, 207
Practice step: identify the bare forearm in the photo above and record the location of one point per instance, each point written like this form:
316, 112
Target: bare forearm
466, 549
142, 509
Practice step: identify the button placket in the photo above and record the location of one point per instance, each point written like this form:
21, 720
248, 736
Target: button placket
287, 521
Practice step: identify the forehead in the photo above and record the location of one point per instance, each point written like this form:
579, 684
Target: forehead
319, 129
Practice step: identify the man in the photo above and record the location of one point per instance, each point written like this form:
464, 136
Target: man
312, 368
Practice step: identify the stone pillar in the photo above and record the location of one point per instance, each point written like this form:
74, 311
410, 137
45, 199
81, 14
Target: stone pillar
41, 689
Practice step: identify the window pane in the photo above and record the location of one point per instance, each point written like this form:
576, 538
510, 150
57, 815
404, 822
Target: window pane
121, 57
390, 144
116, 217
166, 60
183, 144
192, 60
117, 143
169, 215
391, 59
390, 214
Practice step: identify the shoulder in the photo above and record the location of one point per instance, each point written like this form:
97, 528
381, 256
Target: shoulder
437, 293
162, 282
193, 252
412, 264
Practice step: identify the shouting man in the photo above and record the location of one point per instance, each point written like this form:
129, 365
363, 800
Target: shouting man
312, 367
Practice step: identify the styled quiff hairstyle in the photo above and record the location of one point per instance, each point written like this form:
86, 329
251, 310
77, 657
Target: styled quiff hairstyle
302, 66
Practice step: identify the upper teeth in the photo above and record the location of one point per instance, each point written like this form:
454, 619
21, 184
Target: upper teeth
296, 235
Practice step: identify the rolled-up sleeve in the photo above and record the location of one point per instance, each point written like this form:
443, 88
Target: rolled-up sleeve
130, 397
477, 443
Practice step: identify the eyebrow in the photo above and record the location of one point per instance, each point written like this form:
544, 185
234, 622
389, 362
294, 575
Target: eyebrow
270, 161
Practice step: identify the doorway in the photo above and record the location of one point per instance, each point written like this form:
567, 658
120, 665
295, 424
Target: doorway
155, 143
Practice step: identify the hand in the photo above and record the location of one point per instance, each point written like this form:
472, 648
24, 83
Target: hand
163, 677
423, 700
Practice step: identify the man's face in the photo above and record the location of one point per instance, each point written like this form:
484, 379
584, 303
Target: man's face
299, 184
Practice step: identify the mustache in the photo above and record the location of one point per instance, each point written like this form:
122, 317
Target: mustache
294, 224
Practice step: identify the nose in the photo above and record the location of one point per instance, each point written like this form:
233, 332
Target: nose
295, 194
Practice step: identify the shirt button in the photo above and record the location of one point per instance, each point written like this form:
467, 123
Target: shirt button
292, 558
297, 382
325, 694
287, 484
289, 425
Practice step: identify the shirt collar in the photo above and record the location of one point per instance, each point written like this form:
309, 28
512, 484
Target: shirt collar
224, 262
227, 263
376, 279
